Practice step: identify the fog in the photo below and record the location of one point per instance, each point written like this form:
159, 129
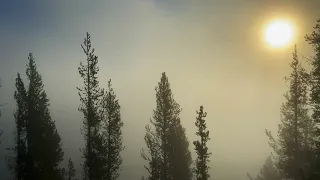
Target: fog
212, 51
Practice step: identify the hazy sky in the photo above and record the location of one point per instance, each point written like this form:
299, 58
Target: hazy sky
212, 51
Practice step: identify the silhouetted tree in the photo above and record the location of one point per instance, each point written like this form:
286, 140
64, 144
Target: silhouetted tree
267, 172
1, 131
168, 154
294, 145
201, 147
38, 144
71, 170
112, 134
90, 97
20, 115
314, 40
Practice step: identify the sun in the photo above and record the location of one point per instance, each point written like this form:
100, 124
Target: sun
279, 33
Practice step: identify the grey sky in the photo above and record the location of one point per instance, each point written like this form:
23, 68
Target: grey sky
212, 51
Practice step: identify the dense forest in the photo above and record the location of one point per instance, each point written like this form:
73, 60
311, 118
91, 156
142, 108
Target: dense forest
38, 153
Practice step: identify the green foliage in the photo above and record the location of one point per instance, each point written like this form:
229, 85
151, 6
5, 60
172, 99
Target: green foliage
168, 155
112, 134
201, 146
90, 97
295, 141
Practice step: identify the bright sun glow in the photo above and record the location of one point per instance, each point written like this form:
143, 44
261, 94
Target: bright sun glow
279, 34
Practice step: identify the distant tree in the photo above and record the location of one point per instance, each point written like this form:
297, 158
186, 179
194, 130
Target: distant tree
201, 147
314, 40
294, 144
38, 144
90, 97
168, 154
71, 170
250, 176
112, 134
1, 131
267, 172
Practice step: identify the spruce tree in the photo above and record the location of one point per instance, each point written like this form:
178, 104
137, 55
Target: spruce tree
201, 147
293, 146
112, 134
71, 170
20, 115
1, 131
267, 172
314, 40
168, 155
43, 141
38, 151
90, 97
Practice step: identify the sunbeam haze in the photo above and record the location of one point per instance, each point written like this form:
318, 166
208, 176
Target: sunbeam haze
211, 55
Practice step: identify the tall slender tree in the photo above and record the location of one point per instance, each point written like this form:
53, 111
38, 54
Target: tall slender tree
1, 131
314, 40
44, 144
112, 134
293, 144
90, 97
38, 151
20, 115
168, 154
201, 147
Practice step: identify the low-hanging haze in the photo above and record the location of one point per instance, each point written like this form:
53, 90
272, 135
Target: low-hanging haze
212, 51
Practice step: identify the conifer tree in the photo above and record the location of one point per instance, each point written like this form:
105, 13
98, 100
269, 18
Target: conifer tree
1, 131
90, 97
168, 155
293, 146
314, 40
44, 144
20, 115
267, 172
201, 147
71, 170
38, 151
112, 134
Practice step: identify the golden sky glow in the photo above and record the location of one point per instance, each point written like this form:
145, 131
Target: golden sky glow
279, 33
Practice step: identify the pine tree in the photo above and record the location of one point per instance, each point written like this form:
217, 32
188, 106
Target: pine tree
71, 170
112, 134
168, 154
38, 151
201, 147
1, 131
314, 40
293, 145
90, 97
267, 172
20, 115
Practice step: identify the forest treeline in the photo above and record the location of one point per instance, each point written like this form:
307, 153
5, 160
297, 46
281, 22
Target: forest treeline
37, 152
